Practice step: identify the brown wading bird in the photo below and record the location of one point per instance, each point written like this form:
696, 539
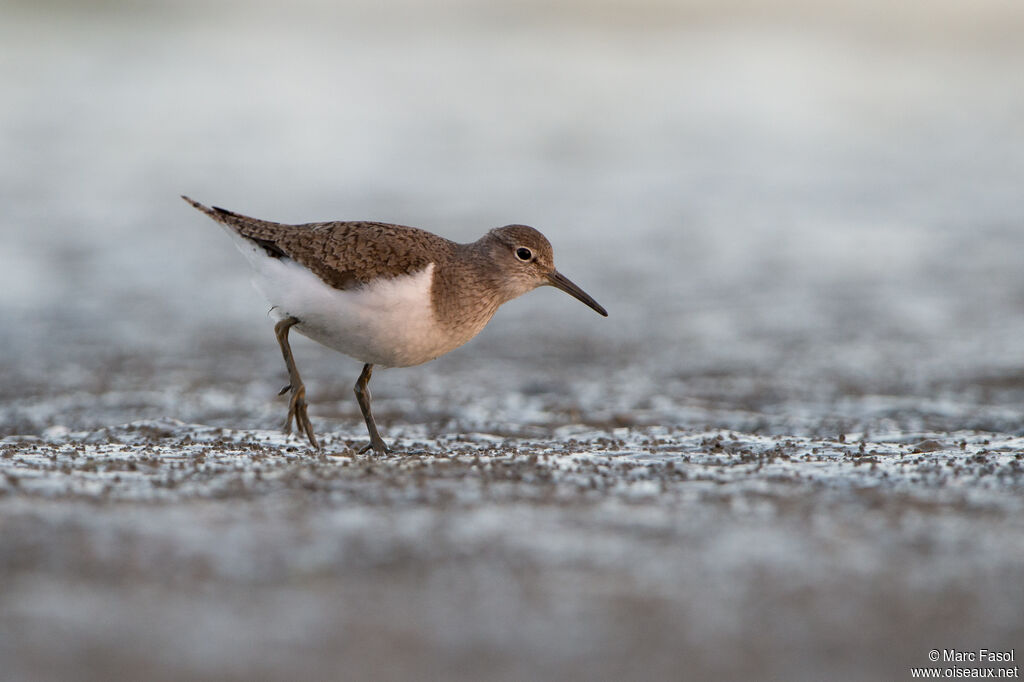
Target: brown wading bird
385, 294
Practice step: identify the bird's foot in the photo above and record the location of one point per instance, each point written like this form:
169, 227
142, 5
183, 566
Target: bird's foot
297, 411
377, 445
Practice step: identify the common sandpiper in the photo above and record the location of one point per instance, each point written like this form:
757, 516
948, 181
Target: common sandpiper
385, 294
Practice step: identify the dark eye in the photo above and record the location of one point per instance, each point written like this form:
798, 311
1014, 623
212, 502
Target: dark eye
523, 253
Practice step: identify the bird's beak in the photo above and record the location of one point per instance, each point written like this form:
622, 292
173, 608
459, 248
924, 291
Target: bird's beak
560, 281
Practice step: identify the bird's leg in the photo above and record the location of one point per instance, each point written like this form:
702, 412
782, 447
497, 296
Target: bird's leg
363, 396
297, 404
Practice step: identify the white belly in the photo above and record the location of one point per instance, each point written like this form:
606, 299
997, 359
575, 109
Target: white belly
388, 322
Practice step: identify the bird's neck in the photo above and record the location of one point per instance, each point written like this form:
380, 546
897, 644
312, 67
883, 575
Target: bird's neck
467, 290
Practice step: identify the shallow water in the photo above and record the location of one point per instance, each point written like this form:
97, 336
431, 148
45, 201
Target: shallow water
805, 221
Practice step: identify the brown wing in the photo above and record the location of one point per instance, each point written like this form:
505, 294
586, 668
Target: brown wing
342, 254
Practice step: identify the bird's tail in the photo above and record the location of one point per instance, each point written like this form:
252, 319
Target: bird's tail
247, 232
241, 223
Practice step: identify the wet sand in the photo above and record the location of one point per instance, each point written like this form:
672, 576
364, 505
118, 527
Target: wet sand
168, 550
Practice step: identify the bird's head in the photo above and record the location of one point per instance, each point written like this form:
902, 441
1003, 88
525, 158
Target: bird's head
526, 261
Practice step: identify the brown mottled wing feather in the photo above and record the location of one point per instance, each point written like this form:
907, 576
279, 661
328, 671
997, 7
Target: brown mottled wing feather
342, 254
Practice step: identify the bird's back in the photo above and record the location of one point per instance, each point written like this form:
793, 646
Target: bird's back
344, 254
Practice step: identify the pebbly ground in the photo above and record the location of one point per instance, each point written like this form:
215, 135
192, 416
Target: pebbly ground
169, 550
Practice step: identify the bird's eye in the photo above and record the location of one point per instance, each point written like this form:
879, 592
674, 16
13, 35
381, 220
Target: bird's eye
523, 253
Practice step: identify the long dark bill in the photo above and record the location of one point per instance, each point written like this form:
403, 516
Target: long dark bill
560, 281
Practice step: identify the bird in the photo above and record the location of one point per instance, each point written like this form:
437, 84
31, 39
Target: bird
386, 295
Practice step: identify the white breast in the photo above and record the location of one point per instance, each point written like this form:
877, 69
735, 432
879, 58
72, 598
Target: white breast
388, 322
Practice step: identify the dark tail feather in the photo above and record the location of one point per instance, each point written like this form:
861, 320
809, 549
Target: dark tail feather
219, 214
243, 225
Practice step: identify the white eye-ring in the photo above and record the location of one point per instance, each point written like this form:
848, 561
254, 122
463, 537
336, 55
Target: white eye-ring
524, 254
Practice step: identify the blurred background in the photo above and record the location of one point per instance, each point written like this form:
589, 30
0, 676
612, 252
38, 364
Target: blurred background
817, 199
805, 218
